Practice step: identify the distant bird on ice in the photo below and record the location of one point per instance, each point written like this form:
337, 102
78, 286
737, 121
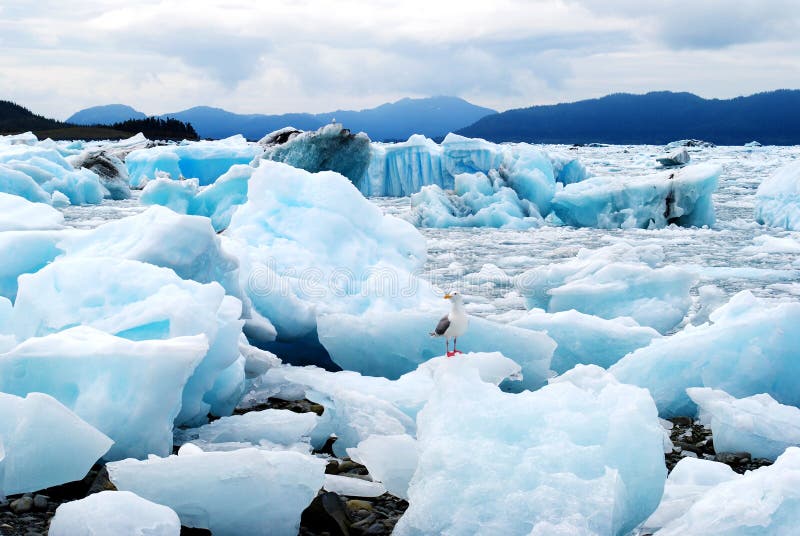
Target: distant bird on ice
454, 324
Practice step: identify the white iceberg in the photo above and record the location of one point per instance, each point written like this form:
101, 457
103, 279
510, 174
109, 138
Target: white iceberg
390, 459
688, 481
114, 512
778, 198
45, 443
756, 424
750, 347
310, 243
678, 157
353, 487
680, 197
764, 501
136, 301
101, 378
586, 339
560, 456
391, 344
19, 214
246, 491
620, 280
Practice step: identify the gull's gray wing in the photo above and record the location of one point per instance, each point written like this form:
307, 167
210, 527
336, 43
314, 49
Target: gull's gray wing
442, 326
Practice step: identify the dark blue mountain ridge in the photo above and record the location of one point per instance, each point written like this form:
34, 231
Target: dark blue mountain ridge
657, 117
105, 115
433, 117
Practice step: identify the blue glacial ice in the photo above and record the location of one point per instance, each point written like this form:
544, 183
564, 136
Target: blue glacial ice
747, 334
756, 424
390, 459
778, 198
670, 197
559, 452
614, 281
246, 491
311, 243
764, 501
331, 148
25, 252
587, 339
101, 378
357, 407
202, 160
688, 481
14, 182
45, 443
390, 344
136, 301
114, 512
108, 167
217, 201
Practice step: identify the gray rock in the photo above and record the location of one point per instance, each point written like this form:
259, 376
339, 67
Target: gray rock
22, 505
40, 502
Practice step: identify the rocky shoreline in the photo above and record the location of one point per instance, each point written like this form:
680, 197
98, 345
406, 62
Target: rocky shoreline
331, 514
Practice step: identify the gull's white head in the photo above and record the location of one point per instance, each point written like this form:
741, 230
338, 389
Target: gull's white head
454, 296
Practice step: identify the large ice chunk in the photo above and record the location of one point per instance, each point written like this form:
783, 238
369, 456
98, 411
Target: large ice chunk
557, 457
19, 214
756, 424
586, 339
681, 197
202, 160
114, 512
331, 148
246, 491
689, 480
765, 501
750, 347
613, 281
778, 198
14, 182
217, 201
137, 301
393, 343
357, 406
101, 378
25, 252
109, 168
310, 243
45, 443
390, 459
277, 426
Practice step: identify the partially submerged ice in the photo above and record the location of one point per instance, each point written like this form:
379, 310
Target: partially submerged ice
750, 347
677, 157
394, 343
114, 512
587, 339
202, 160
45, 444
390, 459
245, 491
756, 424
311, 243
680, 197
109, 168
136, 301
101, 378
778, 198
620, 280
560, 452
764, 501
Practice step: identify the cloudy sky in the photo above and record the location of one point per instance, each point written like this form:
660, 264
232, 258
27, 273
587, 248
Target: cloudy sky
277, 56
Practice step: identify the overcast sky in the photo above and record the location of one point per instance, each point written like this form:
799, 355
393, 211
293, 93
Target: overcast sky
276, 56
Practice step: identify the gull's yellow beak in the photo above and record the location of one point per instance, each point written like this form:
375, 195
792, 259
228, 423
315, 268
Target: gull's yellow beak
448, 296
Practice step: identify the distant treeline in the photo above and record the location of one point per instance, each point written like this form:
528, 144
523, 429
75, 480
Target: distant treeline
15, 119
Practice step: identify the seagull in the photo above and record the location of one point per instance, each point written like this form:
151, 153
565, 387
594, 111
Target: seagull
454, 324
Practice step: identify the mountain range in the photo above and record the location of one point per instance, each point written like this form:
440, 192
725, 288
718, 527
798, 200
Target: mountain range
655, 118
434, 117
